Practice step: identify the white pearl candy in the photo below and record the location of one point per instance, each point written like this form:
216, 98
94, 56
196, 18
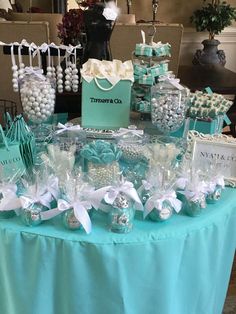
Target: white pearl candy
14, 68
74, 71
60, 75
68, 88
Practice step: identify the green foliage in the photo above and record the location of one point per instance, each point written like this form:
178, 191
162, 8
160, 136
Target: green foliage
213, 17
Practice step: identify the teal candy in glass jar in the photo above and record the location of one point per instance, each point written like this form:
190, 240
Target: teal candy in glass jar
101, 162
121, 214
169, 104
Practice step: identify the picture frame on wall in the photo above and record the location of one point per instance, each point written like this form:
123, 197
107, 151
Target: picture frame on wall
204, 150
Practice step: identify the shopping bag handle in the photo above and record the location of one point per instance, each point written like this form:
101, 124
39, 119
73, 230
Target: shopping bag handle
103, 88
4, 139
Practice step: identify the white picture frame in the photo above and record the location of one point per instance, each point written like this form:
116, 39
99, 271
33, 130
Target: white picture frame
204, 149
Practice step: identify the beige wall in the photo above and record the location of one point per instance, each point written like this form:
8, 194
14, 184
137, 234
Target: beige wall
44, 5
169, 11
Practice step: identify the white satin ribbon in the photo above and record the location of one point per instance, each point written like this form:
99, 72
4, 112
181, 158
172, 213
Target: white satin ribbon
156, 201
128, 189
35, 194
124, 131
9, 200
80, 211
67, 127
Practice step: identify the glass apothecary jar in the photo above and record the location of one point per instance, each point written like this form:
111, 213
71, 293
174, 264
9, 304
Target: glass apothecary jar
135, 156
169, 103
38, 95
101, 162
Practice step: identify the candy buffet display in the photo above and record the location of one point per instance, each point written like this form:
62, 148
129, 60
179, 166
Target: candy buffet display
115, 169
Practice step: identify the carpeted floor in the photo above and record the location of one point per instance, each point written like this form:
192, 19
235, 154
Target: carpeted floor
230, 305
230, 302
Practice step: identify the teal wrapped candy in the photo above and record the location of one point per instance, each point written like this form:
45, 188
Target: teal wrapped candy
143, 50
101, 152
146, 79
162, 50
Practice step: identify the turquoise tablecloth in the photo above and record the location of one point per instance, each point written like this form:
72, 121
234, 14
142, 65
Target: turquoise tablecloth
177, 267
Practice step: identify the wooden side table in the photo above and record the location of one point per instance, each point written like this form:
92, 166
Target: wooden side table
218, 78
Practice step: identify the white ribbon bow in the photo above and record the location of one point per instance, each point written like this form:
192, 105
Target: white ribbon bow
36, 71
67, 127
124, 131
128, 189
80, 211
156, 201
35, 194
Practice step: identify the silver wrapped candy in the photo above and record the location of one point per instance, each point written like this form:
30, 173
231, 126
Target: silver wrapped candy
168, 107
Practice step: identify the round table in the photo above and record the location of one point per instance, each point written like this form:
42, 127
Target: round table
181, 266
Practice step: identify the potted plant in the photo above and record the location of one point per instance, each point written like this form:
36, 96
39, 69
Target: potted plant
212, 17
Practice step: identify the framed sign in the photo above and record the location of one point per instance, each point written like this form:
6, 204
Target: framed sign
204, 150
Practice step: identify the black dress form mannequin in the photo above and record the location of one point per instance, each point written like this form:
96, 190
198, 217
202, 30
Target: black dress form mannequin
98, 31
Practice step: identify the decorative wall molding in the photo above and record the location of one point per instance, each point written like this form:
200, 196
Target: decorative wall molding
190, 35
191, 41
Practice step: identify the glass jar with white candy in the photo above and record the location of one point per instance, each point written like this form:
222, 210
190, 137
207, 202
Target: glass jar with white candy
37, 95
169, 104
